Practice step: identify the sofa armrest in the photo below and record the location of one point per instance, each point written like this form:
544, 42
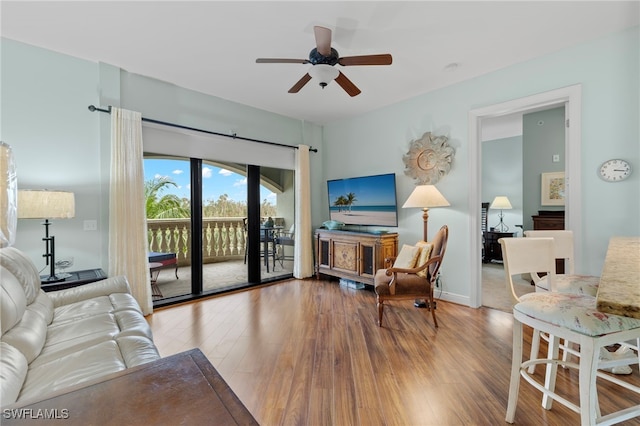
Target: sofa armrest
105, 287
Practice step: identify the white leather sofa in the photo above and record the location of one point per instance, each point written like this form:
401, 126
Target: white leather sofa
51, 341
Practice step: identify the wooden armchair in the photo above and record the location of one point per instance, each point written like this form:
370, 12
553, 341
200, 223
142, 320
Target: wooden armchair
395, 283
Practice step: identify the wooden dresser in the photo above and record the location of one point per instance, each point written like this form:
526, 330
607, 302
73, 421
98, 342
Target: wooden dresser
353, 255
492, 248
548, 220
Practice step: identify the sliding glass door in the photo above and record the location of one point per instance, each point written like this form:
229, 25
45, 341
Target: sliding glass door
227, 225
168, 206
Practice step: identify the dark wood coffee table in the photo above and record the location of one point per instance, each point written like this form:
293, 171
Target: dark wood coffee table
181, 389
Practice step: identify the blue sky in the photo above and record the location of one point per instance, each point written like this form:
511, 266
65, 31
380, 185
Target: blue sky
215, 181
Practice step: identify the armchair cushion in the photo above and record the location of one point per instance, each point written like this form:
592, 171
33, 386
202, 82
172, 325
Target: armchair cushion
407, 257
425, 253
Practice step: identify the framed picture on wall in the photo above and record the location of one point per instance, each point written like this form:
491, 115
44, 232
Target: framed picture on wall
552, 189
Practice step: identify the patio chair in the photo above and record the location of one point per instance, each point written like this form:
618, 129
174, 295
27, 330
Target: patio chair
267, 243
284, 239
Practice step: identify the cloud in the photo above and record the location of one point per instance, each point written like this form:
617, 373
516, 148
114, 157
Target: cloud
206, 172
240, 182
177, 172
159, 176
225, 172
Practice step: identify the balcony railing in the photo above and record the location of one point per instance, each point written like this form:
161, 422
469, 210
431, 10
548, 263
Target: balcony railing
223, 238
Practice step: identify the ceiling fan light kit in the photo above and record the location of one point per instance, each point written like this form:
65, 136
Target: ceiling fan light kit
323, 59
325, 74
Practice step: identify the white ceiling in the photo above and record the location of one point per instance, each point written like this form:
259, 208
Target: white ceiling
211, 46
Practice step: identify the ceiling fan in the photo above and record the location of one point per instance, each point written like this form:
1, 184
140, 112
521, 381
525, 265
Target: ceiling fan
323, 58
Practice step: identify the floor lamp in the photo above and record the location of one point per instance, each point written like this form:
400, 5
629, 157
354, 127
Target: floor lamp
501, 202
425, 197
43, 204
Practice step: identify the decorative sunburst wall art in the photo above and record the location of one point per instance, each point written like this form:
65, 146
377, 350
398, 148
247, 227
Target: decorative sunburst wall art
429, 159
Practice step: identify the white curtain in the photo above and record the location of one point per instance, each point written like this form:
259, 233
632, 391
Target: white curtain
127, 217
8, 196
303, 248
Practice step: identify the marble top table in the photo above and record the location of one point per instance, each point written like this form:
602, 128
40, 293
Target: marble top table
619, 289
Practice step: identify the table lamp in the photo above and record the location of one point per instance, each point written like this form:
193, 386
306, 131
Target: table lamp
44, 204
501, 202
425, 197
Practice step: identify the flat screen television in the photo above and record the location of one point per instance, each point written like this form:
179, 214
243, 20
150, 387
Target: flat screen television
365, 200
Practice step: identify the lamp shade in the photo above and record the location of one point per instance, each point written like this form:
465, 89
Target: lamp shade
425, 196
43, 204
501, 202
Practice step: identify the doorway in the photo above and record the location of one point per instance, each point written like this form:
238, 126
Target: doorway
570, 98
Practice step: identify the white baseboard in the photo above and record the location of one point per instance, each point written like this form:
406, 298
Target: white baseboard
452, 297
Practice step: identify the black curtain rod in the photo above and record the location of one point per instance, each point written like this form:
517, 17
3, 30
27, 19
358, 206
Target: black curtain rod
93, 108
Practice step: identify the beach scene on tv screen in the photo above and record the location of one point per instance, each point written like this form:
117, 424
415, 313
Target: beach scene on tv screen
368, 200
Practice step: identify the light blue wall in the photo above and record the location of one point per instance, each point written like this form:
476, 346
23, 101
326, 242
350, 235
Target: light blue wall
55, 140
607, 69
166, 102
543, 137
502, 175
59, 143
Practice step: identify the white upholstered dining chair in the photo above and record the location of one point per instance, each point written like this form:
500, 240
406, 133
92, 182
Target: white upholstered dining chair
567, 282
569, 316
533, 257
570, 282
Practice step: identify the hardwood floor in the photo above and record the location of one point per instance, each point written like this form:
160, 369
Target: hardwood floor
309, 352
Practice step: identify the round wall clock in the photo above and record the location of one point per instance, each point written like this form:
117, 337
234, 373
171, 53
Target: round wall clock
614, 170
429, 159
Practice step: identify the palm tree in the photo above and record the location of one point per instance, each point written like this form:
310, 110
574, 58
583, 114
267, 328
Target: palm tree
165, 206
351, 198
339, 202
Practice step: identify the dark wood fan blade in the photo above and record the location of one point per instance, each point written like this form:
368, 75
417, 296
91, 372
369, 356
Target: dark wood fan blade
323, 40
300, 84
347, 85
281, 61
384, 59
